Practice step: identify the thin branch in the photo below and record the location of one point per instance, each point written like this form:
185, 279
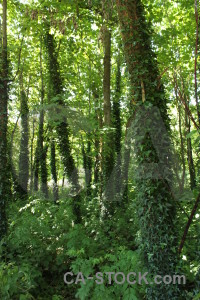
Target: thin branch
160, 77
185, 104
189, 223
19, 60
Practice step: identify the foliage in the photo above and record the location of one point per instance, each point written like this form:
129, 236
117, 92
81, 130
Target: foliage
99, 146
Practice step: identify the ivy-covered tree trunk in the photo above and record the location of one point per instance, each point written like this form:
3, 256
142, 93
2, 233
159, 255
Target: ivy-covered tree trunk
42, 148
24, 150
54, 172
87, 164
118, 130
108, 153
197, 8
31, 164
182, 150
98, 140
43, 156
4, 185
14, 173
36, 168
89, 167
40, 165
116, 110
190, 154
107, 74
62, 126
156, 206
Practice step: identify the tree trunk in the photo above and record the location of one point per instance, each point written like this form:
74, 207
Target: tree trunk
106, 78
42, 148
182, 150
36, 168
32, 167
156, 206
87, 164
190, 154
54, 172
14, 173
4, 184
62, 126
108, 153
196, 58
98, 140
24, 152
118, 130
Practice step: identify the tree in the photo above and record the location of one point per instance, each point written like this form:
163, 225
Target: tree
62, 126
54, 171
154, 196
108, 157
3, 124
42, 149
24, 152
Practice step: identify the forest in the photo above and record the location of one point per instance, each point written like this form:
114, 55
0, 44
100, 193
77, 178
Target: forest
99, 149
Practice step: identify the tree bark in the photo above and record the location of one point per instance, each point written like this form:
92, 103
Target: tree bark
62, 126
32, 167
196, 58
190, 154
42, 148
182, 180
54, 172
98, 140
118, 130
108, 153
4, 184
87, 164
194, 210
156, 206
24, 152
107, 74
36, 168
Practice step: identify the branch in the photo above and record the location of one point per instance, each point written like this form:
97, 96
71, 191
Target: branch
19, 59
160, 77
189, 223
185, 104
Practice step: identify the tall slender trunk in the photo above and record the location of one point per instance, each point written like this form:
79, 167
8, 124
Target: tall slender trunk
108, 154
189, 153
156, 206
87, 164
43, 163
107, 74
24, 152
36, 168
98, 140
54, 172
196, 64
89, 167
116, 109
118, 129
43, 149
107, 144
4, 185
32, 167
196, 58
14, 173
182, 150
